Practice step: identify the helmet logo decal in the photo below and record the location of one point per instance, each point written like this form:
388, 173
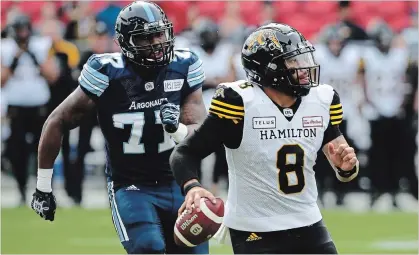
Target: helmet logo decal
264, 38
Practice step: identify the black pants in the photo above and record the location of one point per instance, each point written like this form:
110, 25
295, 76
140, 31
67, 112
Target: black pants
391, 155
313, 239
26, 126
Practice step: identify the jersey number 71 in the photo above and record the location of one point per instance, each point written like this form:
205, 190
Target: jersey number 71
137, 120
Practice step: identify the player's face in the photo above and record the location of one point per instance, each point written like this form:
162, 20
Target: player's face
22, 33
335, 47
302, 64
155, 40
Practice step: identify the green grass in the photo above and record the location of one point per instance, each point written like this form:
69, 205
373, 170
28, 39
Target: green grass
78, 231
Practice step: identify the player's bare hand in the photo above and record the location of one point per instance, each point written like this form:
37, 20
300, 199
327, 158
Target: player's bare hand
343, 157
193, 198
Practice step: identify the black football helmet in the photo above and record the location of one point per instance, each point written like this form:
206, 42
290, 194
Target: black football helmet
136, 27
381, 33
278, 56
207, 31
20, 28
336, 38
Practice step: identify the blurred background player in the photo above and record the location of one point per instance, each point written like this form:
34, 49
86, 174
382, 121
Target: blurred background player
141, 96
217, 55
27, 69
340, 60
385, 93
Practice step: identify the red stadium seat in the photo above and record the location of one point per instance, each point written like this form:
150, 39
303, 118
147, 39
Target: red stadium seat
414, 5
31, 8
320, 8
284, 9
398, 23
213, 9
300, 21
97, 6
251, 11
392, 9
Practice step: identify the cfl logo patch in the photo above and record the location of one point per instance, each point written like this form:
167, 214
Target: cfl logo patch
196, 229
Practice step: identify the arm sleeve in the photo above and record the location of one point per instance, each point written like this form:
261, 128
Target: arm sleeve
92, 81
336, 117
220, 128
196, 75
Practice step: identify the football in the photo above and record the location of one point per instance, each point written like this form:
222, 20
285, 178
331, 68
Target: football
192, 229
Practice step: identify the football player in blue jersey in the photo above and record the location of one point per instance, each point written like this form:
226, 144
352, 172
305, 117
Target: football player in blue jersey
146, 98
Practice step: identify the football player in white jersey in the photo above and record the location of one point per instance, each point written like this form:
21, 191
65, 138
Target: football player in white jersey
335, 50
272, 126
386, 93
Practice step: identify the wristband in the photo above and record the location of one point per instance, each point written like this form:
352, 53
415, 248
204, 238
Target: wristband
347, 174
190, 186
44, 180
180, 134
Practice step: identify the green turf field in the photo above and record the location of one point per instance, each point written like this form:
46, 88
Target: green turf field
91, 231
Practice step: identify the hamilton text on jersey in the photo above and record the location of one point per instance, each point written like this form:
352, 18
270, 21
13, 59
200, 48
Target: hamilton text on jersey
287, 133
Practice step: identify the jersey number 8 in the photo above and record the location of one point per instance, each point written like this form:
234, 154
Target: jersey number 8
290, 162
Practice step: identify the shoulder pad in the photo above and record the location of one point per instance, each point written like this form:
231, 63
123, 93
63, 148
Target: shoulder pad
189, 62
185, 55
227, 103
244, 88
324, 93
94, 62
100, 62
94, 77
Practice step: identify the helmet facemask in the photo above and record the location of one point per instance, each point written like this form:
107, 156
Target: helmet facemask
294, 75
140, 46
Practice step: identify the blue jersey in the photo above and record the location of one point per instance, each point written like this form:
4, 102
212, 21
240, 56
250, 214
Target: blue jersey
137, 148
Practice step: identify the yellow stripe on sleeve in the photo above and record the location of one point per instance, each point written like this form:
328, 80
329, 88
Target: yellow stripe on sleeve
226, 111
336, 117
336, 122
336, 111
335, 106
235, 107
220, 115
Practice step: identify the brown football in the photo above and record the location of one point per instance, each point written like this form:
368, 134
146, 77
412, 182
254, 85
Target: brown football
192, 229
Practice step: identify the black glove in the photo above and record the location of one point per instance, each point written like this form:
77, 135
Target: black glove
169, 115
44, 204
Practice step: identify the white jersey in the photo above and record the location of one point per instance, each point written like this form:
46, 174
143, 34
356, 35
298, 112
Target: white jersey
26, 87
384, 75
341, 72
272, 182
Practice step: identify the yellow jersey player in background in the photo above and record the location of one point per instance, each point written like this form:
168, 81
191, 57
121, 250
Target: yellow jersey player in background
272, 126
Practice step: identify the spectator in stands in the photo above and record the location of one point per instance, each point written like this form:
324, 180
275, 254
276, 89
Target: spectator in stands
355, 32
81, 20
68, 58
48, 12
232, 24
26, 72
268, 13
